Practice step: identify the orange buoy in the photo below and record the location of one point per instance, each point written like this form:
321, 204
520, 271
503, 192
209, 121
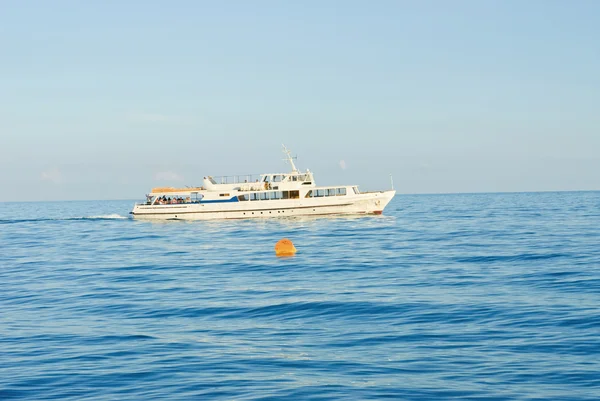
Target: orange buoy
284, 247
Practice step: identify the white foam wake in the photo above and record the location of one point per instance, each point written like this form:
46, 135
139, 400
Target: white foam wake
108, 217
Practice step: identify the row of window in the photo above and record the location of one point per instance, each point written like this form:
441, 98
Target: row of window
280, 178
318, 193
270, 195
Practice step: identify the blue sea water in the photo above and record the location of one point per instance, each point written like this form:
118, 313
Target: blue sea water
471, 297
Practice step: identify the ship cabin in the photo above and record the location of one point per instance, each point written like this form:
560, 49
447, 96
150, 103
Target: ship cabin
293, 180
322, 192
273, 181
263, 187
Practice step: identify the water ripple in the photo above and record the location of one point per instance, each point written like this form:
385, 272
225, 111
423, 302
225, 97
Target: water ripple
475, 297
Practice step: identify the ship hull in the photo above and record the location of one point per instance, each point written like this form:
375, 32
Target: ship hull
370, 203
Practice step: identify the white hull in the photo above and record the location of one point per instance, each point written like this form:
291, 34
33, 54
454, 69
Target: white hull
355, 204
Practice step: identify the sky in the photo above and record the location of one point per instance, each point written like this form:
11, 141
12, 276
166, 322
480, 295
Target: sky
107, 99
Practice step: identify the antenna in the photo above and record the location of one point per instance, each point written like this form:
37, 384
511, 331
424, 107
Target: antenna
289, 158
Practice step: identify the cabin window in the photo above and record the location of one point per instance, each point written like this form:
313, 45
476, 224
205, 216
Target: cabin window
294, 194
277, 178
331, 192
294, 178
264, 196
276, 195
285, 194
254, 197
308, 194
223, 194
319, 193
340, 191
243, 197
356, 190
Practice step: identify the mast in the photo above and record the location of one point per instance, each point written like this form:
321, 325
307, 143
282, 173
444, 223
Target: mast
289, 158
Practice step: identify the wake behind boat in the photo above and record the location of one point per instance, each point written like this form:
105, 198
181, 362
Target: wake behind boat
270, 195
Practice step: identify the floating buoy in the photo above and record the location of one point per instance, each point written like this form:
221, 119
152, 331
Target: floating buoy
284, 247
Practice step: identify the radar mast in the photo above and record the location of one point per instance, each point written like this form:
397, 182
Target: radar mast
289, 158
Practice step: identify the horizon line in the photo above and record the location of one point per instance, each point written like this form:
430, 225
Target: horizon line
397, 194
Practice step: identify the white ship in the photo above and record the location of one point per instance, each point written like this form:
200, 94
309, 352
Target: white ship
267, 195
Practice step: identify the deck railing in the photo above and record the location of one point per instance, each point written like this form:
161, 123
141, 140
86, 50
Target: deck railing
235, 179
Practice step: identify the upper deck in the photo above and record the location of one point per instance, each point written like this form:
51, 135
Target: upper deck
290, 185
294, 179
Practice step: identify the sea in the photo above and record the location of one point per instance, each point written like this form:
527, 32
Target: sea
443, 297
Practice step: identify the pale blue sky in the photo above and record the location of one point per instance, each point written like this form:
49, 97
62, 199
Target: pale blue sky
105, 99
